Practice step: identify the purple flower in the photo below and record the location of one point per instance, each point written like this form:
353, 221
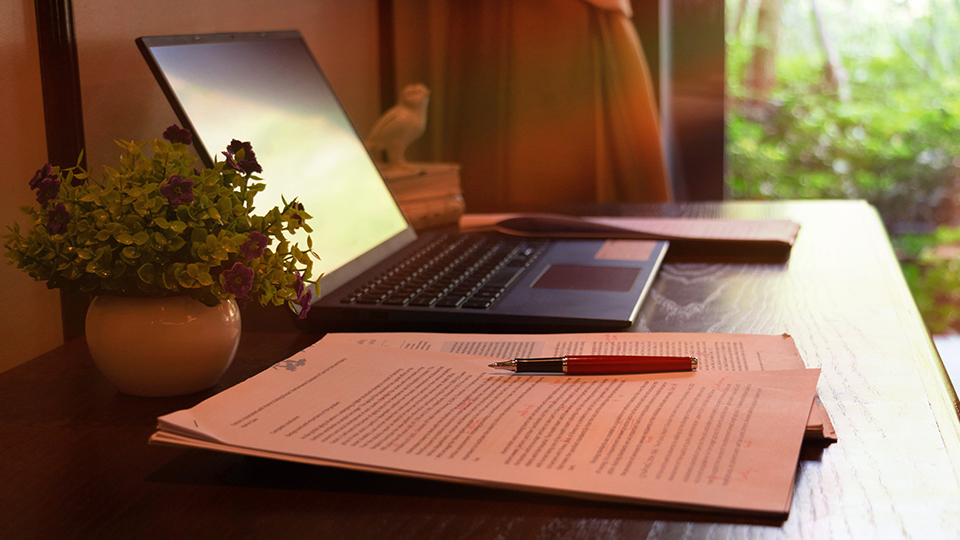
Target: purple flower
41, 174
292, 213
304, 301
177, 190
254, 246
240, 156
298, 284
238, 280
176, 134
47, 189
57, 219
303, 297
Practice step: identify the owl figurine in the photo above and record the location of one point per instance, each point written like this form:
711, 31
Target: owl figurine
399, 127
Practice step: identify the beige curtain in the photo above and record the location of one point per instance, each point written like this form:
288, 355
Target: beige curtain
544, 103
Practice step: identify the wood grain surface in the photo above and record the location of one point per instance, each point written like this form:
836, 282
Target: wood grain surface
74, 462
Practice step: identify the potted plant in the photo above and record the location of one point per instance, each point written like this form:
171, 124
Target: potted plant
167, 251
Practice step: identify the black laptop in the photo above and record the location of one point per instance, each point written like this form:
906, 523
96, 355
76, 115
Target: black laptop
267, 88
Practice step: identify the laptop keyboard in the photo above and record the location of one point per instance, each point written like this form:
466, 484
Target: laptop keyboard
453, 271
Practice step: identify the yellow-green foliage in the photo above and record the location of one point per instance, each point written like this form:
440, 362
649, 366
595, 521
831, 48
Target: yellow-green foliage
156, 226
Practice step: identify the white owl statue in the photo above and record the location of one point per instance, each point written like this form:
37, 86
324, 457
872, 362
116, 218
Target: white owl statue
404, 123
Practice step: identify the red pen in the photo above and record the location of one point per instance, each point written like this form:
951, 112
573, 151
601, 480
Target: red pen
599, 364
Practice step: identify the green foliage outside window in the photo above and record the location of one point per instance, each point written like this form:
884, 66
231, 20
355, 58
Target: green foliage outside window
895, 143
931, 266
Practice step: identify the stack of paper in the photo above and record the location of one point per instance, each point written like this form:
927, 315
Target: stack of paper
724, 438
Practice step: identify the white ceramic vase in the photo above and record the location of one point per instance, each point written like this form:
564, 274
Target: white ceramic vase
166, 346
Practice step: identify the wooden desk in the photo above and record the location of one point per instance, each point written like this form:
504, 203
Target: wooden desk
75, 460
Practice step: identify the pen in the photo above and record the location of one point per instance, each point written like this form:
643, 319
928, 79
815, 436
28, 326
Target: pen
599, 364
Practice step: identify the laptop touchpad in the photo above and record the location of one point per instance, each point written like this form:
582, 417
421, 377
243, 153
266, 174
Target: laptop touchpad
588, 278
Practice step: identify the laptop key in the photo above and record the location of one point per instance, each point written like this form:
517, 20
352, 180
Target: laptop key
424, 301
477, 303
503, 277
449, 301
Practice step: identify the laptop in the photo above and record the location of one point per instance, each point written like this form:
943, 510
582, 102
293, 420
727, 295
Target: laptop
267, 88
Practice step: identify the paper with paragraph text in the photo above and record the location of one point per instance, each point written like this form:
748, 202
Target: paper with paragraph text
721, 440
732, 352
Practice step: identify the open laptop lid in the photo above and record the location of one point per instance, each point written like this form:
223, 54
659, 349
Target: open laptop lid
267, 88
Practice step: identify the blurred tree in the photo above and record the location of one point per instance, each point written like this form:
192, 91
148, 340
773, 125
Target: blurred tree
761, 76
837, 78
736, 22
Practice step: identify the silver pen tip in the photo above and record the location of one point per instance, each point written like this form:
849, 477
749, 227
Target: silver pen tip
506, 364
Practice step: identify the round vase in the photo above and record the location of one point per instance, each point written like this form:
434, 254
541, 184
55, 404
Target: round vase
165, 346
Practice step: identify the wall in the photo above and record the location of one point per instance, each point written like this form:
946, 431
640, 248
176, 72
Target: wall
29, 313
121, 100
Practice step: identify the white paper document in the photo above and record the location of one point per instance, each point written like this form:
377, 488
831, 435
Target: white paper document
722, 440
730, 352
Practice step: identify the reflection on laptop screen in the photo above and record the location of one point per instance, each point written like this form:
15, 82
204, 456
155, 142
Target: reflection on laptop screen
272, 94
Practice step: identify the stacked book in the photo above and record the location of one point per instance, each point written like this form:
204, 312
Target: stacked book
429, 194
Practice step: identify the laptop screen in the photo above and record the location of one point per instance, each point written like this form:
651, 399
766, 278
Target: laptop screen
268, 89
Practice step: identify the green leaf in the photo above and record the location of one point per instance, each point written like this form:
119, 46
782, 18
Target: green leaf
130, 252
178, 226
182, 277
94, 267
125, 238
168, 281
198, 235
104, 254
161, 222
225, 206
177, 243
216, 249
205, 279
185, 213
158, 240
73, 273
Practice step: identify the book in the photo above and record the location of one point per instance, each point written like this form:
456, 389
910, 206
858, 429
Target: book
718, 440
423, 181
433, 211
429, 194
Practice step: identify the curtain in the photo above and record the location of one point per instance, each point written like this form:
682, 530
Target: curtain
544, 103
